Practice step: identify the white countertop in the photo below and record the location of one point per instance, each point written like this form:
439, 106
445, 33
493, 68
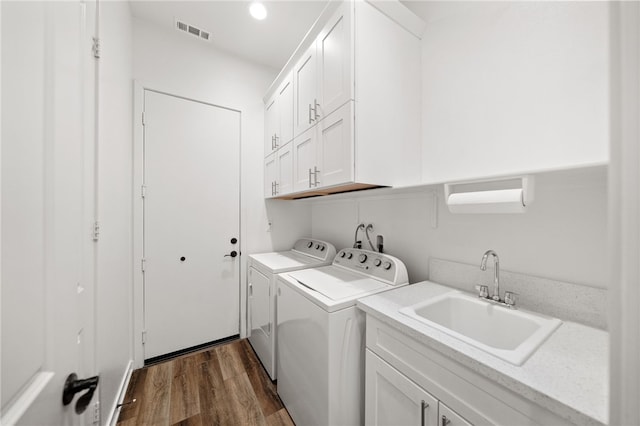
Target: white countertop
568, 375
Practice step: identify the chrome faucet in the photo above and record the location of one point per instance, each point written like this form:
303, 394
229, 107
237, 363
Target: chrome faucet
496, 276
358, 243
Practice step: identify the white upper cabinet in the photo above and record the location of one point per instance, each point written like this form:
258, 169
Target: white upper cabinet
323, 155
270, 176
285, 107
278, 172
270, 119
306, 94
284, 176
356, 101
305, 148
335, 148
278, 117
334, 47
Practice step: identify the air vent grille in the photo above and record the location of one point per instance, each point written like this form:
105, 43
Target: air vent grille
194, 31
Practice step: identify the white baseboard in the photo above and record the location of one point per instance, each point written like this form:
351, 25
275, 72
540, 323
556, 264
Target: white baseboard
115, 409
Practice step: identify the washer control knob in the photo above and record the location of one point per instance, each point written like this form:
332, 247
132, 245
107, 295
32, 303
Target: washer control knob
386, 265
309, 244
317, 246
321, 248
362, 258
343, 254
349, 255
377, 262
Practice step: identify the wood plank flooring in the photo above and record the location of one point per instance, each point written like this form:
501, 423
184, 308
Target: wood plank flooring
223, 385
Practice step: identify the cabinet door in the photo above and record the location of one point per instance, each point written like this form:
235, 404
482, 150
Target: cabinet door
305, 83
260, 315
392, 399
304, 160
270, 120
285, 112
335, 61
448, 417
284, 178
270, 175
335, 140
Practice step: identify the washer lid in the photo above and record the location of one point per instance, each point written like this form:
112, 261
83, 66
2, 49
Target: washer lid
337, 284
285, 261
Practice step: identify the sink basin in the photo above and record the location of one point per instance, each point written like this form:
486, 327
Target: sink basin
509, 334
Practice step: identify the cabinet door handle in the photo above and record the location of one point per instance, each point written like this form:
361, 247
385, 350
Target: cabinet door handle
423, 407
251, 294
315, 109
309, 177
273, 142
310, 118
277, 185
315, 175
445, 421
273, 188
277, 138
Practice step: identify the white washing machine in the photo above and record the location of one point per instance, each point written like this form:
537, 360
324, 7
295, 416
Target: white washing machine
262, 271
321, 335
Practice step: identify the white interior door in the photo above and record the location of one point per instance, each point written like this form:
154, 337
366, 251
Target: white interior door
191, 215
48, 293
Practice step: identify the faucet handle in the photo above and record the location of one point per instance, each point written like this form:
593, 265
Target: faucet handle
483, 291
510, 298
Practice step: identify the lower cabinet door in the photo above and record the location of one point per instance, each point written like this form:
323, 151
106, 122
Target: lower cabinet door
448, 417
392, 399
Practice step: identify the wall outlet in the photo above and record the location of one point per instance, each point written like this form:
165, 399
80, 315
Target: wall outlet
96, 413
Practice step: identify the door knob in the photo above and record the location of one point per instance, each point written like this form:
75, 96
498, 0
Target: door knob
73, 385
234, 240
232, 254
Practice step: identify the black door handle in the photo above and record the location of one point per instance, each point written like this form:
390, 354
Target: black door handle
232, 254
73, 385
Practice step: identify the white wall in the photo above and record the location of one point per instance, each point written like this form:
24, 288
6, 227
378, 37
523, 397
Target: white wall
513, 86
114, 258
180, 64
562, 235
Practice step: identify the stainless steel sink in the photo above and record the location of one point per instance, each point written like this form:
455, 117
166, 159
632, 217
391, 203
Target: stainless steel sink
511, 335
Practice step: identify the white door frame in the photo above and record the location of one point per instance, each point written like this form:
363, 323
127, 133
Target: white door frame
624, 214
138, 226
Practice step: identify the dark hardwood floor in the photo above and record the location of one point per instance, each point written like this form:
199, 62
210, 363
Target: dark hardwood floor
223, 385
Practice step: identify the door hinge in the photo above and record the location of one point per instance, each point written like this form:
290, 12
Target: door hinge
96, 231
96, 413
143, 191
142, 264
95, 48
144, 337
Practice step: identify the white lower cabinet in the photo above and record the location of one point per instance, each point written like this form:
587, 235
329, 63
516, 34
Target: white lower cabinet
448, 417
392, 399
408, 383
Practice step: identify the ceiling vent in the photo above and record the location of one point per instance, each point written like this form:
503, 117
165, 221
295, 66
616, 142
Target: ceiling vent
194, 31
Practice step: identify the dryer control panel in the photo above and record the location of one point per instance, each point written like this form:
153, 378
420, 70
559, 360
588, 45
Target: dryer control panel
316, 248
377, 265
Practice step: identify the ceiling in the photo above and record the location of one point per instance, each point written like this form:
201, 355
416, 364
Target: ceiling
269, 42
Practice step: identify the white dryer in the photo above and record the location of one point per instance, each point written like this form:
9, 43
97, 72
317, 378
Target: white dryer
321, 335
261, 291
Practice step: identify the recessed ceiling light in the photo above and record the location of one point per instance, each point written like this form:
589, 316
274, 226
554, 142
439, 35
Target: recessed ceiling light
258, 11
